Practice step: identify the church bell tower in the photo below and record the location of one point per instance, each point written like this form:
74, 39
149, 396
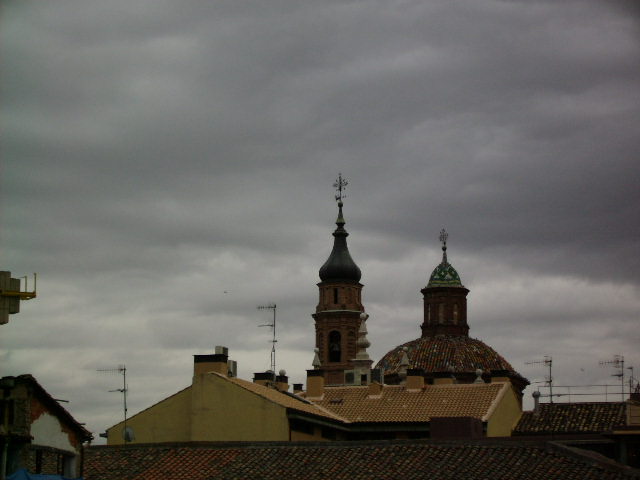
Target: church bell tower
339, 311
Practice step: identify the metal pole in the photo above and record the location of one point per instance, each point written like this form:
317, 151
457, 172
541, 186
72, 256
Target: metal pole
124, 394
550, 381
622, 376
273, 348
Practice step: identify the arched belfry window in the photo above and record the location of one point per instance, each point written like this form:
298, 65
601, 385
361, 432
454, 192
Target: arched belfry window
335, 349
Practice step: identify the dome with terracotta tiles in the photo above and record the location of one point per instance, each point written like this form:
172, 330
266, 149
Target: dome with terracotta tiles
458, 355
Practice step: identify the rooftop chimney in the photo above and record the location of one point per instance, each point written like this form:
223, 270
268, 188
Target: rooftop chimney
264, 378
415, 379
375, 389
536, 402
282, 381
315, 383
218, 362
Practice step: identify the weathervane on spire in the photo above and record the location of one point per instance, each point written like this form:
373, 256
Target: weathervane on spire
340, 185
443, 239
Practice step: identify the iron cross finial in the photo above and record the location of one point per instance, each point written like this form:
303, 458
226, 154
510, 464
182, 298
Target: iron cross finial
443, 237
340, 185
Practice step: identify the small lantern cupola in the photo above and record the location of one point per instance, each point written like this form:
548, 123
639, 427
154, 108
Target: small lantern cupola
445, 299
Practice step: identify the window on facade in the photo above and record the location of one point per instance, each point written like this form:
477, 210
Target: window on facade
7, 411
335, 295
455, 313
335, 349
441, 312
301, 426
69, 466
328, 433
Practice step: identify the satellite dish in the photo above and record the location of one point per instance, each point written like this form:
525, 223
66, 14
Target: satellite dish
128, 435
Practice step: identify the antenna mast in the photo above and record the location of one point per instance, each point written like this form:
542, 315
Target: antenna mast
631, 379
617, 362
271, 306
547, 362
123, 370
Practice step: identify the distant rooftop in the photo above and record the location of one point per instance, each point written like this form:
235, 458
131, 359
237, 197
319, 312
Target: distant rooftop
567, 418
397, 404
347, 461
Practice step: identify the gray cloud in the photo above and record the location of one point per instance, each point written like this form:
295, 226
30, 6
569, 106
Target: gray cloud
156, 156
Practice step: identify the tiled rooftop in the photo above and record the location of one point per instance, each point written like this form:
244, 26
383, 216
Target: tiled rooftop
397, 404
445, 353
340, 461
283, 399
566, 418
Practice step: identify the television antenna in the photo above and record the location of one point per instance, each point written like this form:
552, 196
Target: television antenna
271, 306
617, 362
632, 378
123, 370
547, 362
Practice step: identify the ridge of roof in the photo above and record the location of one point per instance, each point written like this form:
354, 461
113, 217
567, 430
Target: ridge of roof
498, 398
281, 399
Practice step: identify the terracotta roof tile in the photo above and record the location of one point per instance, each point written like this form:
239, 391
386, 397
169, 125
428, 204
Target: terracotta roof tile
339, 461
572, 418
445, 353
397, 404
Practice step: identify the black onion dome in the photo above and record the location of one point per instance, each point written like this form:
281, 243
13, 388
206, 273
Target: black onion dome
340, 265
455, 354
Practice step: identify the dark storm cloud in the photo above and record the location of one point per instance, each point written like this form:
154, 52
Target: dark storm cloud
156, 155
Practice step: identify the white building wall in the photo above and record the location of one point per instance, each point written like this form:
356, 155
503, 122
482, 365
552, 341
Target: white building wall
47, 431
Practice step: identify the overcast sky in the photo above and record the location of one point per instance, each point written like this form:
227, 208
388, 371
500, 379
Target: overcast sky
167, 167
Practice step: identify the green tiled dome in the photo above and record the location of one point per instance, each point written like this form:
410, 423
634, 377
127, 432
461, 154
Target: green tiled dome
444, 275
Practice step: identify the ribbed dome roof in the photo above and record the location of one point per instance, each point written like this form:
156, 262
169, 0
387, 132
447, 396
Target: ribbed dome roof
455, 354
340, 266
444, 275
